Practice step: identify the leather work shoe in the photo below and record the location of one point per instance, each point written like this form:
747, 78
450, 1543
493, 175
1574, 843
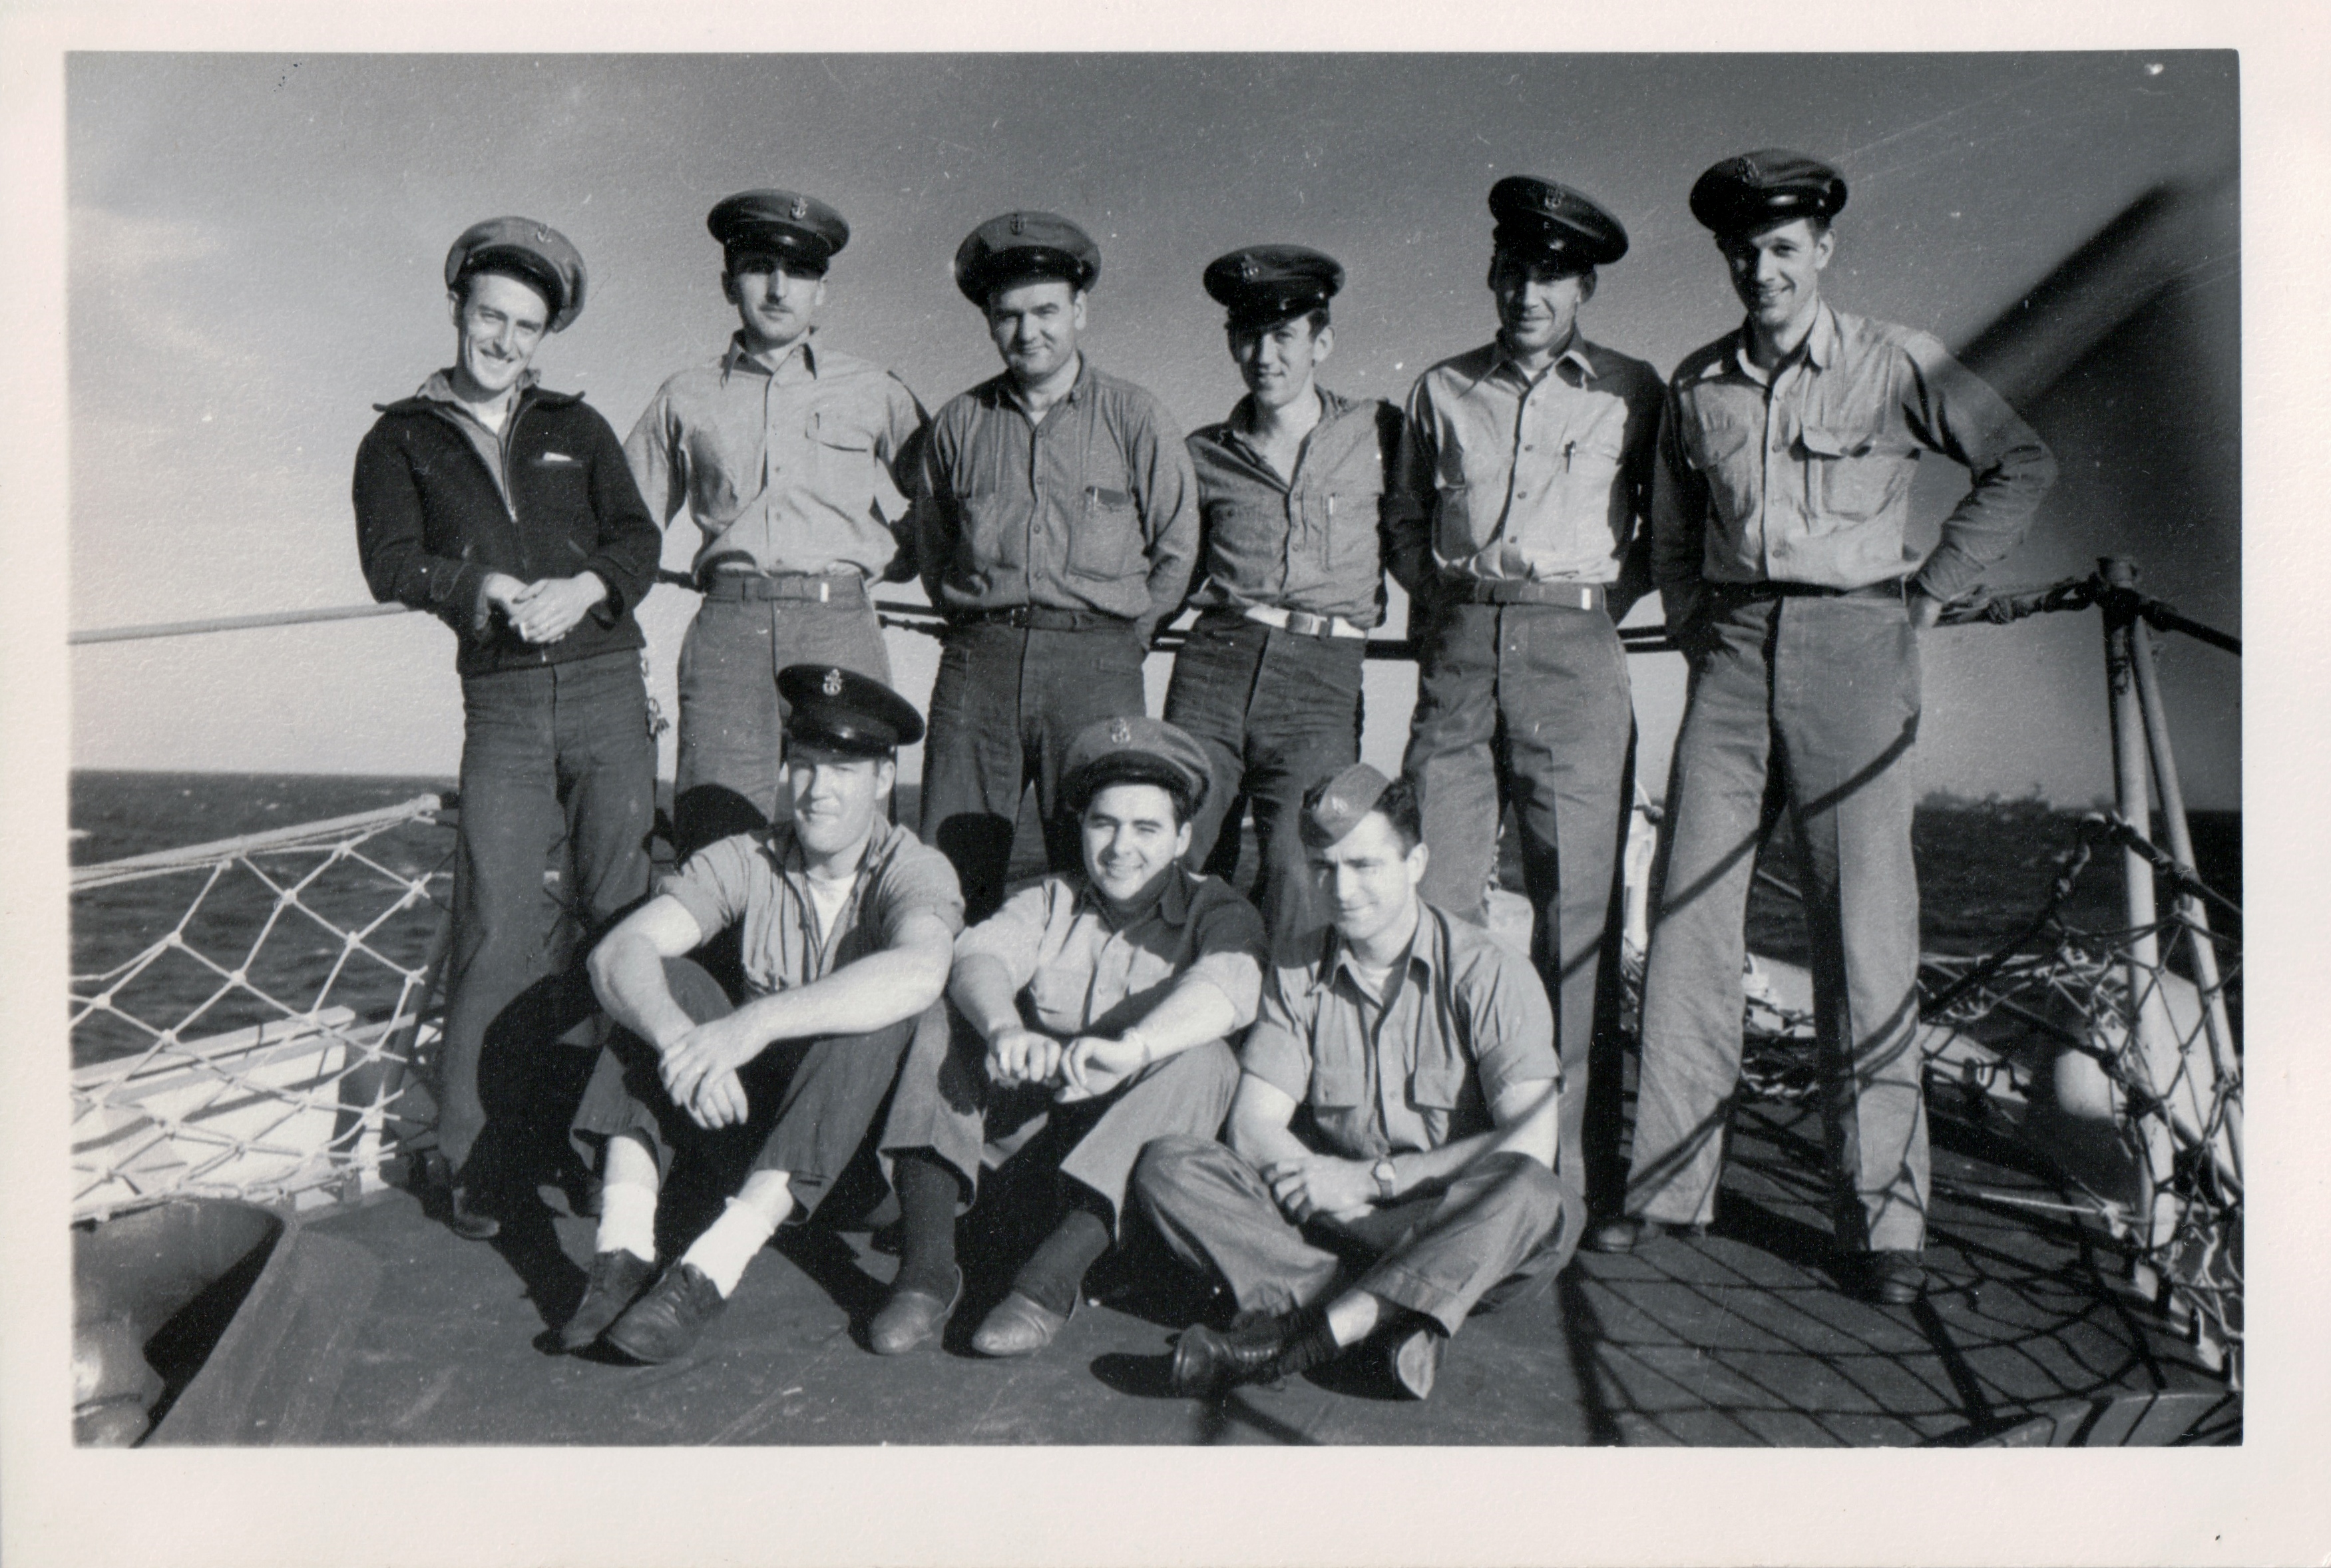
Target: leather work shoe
1207, 1361
617, 1277
1628, 1232
1018, 1326
662, 1324
911, 1317
440, 1194
1415, 1361
1895, 1277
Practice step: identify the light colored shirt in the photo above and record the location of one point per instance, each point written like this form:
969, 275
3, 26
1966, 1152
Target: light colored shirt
1313, 540
1511, 478
1090, 508
804, 468
761, 880
1804, 476
1461, 1019
1079, 973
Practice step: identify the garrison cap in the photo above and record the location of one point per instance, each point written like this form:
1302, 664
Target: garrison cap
1757, 189
1341, 804
1264, 285
844, 711
1133, 749
1018, 246
1542, 222
535, 252
795, 228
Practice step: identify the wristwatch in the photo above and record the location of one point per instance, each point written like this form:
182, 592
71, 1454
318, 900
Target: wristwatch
1387, 1178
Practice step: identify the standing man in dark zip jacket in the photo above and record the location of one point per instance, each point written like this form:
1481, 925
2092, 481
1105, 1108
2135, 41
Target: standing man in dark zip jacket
510, 513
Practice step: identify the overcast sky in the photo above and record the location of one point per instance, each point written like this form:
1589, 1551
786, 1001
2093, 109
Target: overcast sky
256, 245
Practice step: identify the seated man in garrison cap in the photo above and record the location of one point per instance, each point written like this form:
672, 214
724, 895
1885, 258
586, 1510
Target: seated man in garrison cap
1527, 468
1094, 1013
1779, 550
507, 511
847, 923
1422, 1184
794, 459
1057, 524
1290, 492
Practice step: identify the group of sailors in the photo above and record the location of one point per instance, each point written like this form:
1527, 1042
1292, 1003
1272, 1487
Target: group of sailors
1344, 1103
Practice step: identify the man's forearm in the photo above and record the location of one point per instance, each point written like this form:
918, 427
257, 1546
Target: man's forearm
627, 974
1193, 1012
874, 992
983, 991
1264, 1142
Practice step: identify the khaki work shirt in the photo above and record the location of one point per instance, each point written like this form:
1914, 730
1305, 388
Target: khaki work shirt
804, 468
1511, 479
761, 880
1091, 507
1462, 1020
1077, 973
1804, 476
1314, 541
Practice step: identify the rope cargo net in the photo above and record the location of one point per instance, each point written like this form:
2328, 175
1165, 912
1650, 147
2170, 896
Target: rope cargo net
260, 1047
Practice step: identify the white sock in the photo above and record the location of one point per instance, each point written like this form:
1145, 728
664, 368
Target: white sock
627, 1219
721, 1253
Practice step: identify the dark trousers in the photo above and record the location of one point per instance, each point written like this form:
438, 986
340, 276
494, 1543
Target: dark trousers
1506, 1225
558, 801
1277, 713
809, 1103
1004, 709
1809, 705
1531, 703
732, 721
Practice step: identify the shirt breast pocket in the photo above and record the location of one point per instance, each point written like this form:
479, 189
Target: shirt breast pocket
1852, 474
1105, 538
842, 461
1436, 1086
1355, 550
995, 532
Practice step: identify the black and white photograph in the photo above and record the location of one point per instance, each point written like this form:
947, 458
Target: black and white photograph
806, 749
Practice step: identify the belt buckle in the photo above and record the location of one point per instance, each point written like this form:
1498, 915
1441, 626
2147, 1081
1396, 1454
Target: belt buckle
1305, 623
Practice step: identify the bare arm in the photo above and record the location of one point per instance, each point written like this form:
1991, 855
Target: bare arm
1191, 1013
627, 970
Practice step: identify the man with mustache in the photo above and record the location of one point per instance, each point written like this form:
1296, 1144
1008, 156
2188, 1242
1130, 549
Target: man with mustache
1527, 468
1095, 1012
1291, 489
1057, 523
794, 459
1421, 1185
508, 512
1779, 547
845, 924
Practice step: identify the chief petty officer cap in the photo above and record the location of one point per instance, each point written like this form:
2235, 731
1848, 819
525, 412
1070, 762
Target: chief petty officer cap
1018, 246
800, 229
1133, 749
535, 252
1547, 223
841, 710
1264, 285
1343, 804
1758, 189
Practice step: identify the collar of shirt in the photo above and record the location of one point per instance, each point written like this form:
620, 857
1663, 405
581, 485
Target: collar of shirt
1333, 406
789, 861
1003, 392
439, 388
1498, 361
740, 355
1426, 945
1170, 903
1819, 350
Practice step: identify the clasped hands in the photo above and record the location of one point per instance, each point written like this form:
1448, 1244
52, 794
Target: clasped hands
699, 1069
1085, 1068
548, 609
1322, 1187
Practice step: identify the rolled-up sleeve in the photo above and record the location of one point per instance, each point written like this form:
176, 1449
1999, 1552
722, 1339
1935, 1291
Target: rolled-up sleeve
711, 885
1510, 1022
1228, 950
917, 881
1014, 934
1955, 412
1278, 1048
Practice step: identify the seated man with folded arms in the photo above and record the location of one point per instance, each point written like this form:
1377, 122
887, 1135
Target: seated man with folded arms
1095, 1011
1423, 1185
848, 925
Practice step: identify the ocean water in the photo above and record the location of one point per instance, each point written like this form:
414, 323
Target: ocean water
1985, 867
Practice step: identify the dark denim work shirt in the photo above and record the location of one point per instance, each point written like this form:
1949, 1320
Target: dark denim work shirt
1091, 507
1804, 476
1315, 542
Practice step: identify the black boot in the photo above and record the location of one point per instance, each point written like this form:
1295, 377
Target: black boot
1207, 1361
